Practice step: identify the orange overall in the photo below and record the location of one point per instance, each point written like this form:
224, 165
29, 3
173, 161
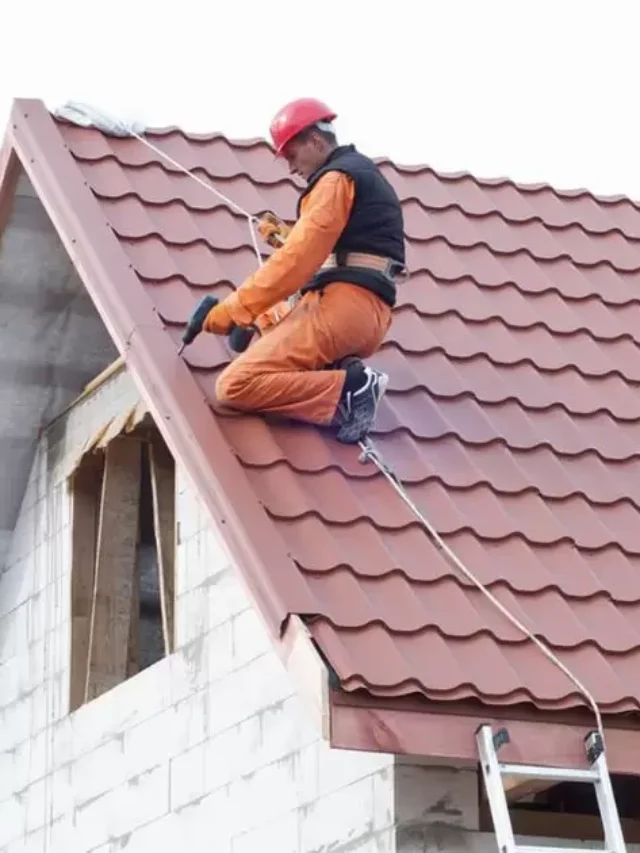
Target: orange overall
283, 372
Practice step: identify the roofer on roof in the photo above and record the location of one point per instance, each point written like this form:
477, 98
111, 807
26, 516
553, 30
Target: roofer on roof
326, 294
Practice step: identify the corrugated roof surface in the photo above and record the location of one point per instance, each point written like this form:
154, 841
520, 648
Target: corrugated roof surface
512, 415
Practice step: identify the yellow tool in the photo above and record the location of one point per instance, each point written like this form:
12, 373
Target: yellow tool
273, 230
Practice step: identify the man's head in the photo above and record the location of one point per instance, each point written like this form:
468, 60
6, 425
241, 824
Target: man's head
302, 133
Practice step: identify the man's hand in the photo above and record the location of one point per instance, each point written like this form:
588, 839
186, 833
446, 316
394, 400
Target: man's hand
218, 321
273, 230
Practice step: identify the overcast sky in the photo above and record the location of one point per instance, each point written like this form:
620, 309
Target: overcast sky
539, 91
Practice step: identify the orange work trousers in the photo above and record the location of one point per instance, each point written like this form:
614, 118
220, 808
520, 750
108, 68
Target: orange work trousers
282, 373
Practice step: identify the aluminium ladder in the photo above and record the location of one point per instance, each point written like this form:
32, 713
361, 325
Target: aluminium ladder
493, 771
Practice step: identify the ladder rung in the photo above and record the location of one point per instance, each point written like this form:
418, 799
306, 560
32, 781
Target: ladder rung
526, 848
557, 774
495, 774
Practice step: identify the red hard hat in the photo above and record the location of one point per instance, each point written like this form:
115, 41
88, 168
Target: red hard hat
294, 117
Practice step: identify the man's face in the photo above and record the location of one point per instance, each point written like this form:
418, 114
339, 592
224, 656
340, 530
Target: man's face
304, 155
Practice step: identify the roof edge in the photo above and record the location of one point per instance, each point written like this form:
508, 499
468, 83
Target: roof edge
164, 380
450, 737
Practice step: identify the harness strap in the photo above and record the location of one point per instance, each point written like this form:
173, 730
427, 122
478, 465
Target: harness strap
387, 266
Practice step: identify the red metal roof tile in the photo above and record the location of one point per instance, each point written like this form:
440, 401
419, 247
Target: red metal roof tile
512, 414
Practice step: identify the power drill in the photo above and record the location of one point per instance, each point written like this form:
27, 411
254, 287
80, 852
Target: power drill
275, 232
239, 337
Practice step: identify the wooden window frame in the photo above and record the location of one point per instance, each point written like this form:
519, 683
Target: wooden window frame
105, 505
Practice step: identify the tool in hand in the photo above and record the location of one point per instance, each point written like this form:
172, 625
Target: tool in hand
273, 229
239, 337
275, 232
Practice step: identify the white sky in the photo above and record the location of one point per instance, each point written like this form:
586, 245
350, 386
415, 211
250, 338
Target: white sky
540, 91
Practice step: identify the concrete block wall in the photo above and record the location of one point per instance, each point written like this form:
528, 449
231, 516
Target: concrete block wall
436, 808
208, 750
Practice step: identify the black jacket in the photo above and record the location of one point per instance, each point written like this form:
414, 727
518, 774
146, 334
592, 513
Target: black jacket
375, 226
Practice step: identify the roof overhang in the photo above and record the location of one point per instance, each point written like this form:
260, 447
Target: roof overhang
446, 734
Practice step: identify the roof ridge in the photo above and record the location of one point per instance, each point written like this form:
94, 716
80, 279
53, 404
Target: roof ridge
496, 182
523, 187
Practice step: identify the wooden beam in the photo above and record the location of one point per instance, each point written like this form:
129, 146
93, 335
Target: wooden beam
308, 672
133, 650
85, 507
115, 567
110, 370
162, 469
564, 825
517, 787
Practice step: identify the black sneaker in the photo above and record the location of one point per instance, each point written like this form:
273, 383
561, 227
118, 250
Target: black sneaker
345, 363
358, 409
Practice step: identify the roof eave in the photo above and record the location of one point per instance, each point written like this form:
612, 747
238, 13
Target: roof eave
448, 737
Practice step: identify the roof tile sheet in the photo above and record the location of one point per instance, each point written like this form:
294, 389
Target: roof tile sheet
512, 416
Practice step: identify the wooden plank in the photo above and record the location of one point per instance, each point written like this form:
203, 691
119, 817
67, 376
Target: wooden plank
564, 825
162, 470
85, 504
133, 656
517, 787
115, 567
308, 673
